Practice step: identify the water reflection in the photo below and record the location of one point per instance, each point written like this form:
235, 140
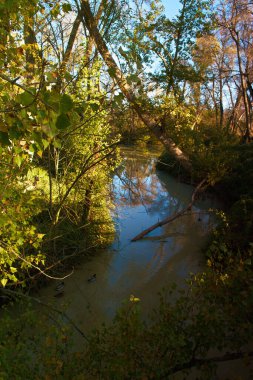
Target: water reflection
142, 196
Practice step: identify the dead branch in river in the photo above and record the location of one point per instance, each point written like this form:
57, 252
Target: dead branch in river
175, 216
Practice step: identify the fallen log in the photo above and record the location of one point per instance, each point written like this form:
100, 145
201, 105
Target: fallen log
175, 216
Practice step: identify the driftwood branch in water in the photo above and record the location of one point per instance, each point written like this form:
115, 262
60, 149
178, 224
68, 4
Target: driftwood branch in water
173, 217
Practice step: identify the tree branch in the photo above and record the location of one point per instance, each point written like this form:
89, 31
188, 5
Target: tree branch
173, 217
199, 362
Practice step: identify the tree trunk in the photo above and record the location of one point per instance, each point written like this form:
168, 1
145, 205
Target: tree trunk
235, 37
221, 99
30, 42
87, 202
67, 53
118, 76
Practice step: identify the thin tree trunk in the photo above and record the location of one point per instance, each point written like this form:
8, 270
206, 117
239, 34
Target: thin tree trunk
234, 35
87, 202
66, 55
30, 42
231, 123
221, 100
250, 88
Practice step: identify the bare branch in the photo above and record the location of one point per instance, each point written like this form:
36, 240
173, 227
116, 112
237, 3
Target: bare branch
173, 217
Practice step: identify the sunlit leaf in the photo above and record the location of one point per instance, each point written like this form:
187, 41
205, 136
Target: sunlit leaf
134, 299
66, 7
4, 282
18, 160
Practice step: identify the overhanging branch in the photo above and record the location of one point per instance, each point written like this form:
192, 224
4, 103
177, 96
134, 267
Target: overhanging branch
173, 217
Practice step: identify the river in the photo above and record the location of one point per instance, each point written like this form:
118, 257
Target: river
141, 196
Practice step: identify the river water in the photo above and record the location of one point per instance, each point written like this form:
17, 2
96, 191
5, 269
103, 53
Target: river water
141, 197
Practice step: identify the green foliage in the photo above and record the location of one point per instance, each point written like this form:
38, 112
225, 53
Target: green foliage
62, 121
212, 151
239, 181
41, 351
213, 314
57, 156
206, 317
55, 147
233, 236
20, 241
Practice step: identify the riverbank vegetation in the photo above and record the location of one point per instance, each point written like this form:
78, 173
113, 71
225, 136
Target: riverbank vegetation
76, 79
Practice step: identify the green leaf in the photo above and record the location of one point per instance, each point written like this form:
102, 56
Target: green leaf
55, 11
45, 143
51, 78
4, 220
4, 138
66, 7
111, 71
139, 64
66, 103
38, 140
133, 79
94, 106
57, 143
68, 76
53, 99
62, 121
119, 97
14, 133
25, 98
18, 161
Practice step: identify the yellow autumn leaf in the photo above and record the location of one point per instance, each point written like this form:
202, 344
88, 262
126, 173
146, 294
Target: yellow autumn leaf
134, 299
4, 282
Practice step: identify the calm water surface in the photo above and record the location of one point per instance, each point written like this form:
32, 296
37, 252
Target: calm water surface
142, 196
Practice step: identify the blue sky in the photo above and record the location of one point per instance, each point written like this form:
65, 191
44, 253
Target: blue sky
171, 7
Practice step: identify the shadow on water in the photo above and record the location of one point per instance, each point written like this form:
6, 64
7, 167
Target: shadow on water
142, 196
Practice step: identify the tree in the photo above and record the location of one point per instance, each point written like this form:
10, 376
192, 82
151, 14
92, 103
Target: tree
126, 89
52, 139
235, 21
173, 41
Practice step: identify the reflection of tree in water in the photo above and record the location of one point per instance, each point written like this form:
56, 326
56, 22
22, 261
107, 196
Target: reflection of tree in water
137, 184
144, 196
